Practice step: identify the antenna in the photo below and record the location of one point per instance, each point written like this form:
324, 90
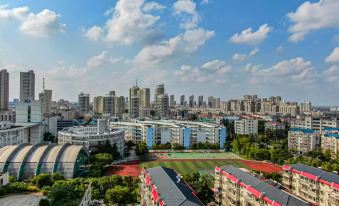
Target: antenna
43, 83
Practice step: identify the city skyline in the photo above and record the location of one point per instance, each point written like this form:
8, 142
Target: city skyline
194, 47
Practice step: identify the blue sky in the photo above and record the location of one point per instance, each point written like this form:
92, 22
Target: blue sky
224, 48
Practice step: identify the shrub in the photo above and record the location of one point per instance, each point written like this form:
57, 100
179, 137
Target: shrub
44, 202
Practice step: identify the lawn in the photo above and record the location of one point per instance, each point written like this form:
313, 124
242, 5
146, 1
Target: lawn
196, 155
189, 166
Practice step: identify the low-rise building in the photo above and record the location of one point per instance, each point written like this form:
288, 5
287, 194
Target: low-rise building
315, 123
330, 141
4, 179
184, 133
92, 137
234, 187
303, 141
12, 134
312, 184
273, 126
246, 126
162, 186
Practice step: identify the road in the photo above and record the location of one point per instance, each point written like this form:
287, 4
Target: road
21, 200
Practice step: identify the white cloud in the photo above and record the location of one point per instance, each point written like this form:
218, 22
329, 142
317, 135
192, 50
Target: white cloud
213, 71
239, 57
279, 49
130, 24
296, 71
250, 37
63, 72
333, 57
313, 16
242, 57
152, 6
187, 7
101, 59
44, 23
332, 74
186, 43
94, 33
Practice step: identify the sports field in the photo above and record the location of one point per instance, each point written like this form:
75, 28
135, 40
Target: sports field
202, 155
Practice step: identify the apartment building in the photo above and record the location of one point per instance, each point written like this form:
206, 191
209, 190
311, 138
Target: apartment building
27, 86
83, 101
246, 126
273, 126
312, 184
315, 123
163, 186
234, 187
303, 140
330, 141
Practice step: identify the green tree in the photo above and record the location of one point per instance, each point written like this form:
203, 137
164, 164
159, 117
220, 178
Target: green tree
42, 180
118, 194
44, 202
102, 159
57, 176
141, 150
48, 137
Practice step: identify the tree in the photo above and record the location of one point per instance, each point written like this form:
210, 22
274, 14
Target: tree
141, 150
102, 159
116, 155
42, 180
44, 202
118, 194
201, 185
57, 176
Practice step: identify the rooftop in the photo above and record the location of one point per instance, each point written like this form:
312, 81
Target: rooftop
172, 192
261, 188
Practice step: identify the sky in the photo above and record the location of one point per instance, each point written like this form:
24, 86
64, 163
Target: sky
224, 48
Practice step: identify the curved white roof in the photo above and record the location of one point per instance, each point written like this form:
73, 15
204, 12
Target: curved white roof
4, 156
36, 155
19, 156
70, 154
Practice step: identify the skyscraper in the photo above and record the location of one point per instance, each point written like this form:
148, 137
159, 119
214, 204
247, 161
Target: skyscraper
98, 104
200, 101
191, 101
159, 89
161, 101
134, 101
145, 98
182, 100
119, 106
83, 101
45, 99
4, 90
210, 101
27, 86
171, 103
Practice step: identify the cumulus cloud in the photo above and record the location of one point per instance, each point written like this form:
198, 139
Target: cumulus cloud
44, 23
313, 16
296, 70
332, 74
152, 6
333, 57
204, 2
250, 37
187, 9
101, 59
129, 23
212, 71
242, 57
182, 44
94, 33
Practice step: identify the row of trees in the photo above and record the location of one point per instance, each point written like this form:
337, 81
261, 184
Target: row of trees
201, 184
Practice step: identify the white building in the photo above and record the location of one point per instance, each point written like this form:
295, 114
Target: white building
246, 126
83, 101
273, 126
315, 123
181, 132
28, 112
92, 137
330, 141
13, 134
303, 140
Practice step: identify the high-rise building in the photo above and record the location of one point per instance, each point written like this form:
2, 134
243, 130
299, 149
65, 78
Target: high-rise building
45, 99
172, 102
161, 105
145, 98
210, 102
191, 101
27, 86
134, 92
4, 90
83, 101
119, 109
98, 104
200, 101
159, 89
246, 126
182, 100
305, 106
109, 104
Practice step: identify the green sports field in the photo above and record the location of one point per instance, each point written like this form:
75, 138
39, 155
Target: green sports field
189, 166
196, 155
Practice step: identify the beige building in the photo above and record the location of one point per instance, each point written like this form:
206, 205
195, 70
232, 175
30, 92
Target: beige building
246, 126
330, 141
27, 86
315, 122
4, 90
234, 187
83, 101
45, 99
145, 98
312, 184
303, 141
98, 104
